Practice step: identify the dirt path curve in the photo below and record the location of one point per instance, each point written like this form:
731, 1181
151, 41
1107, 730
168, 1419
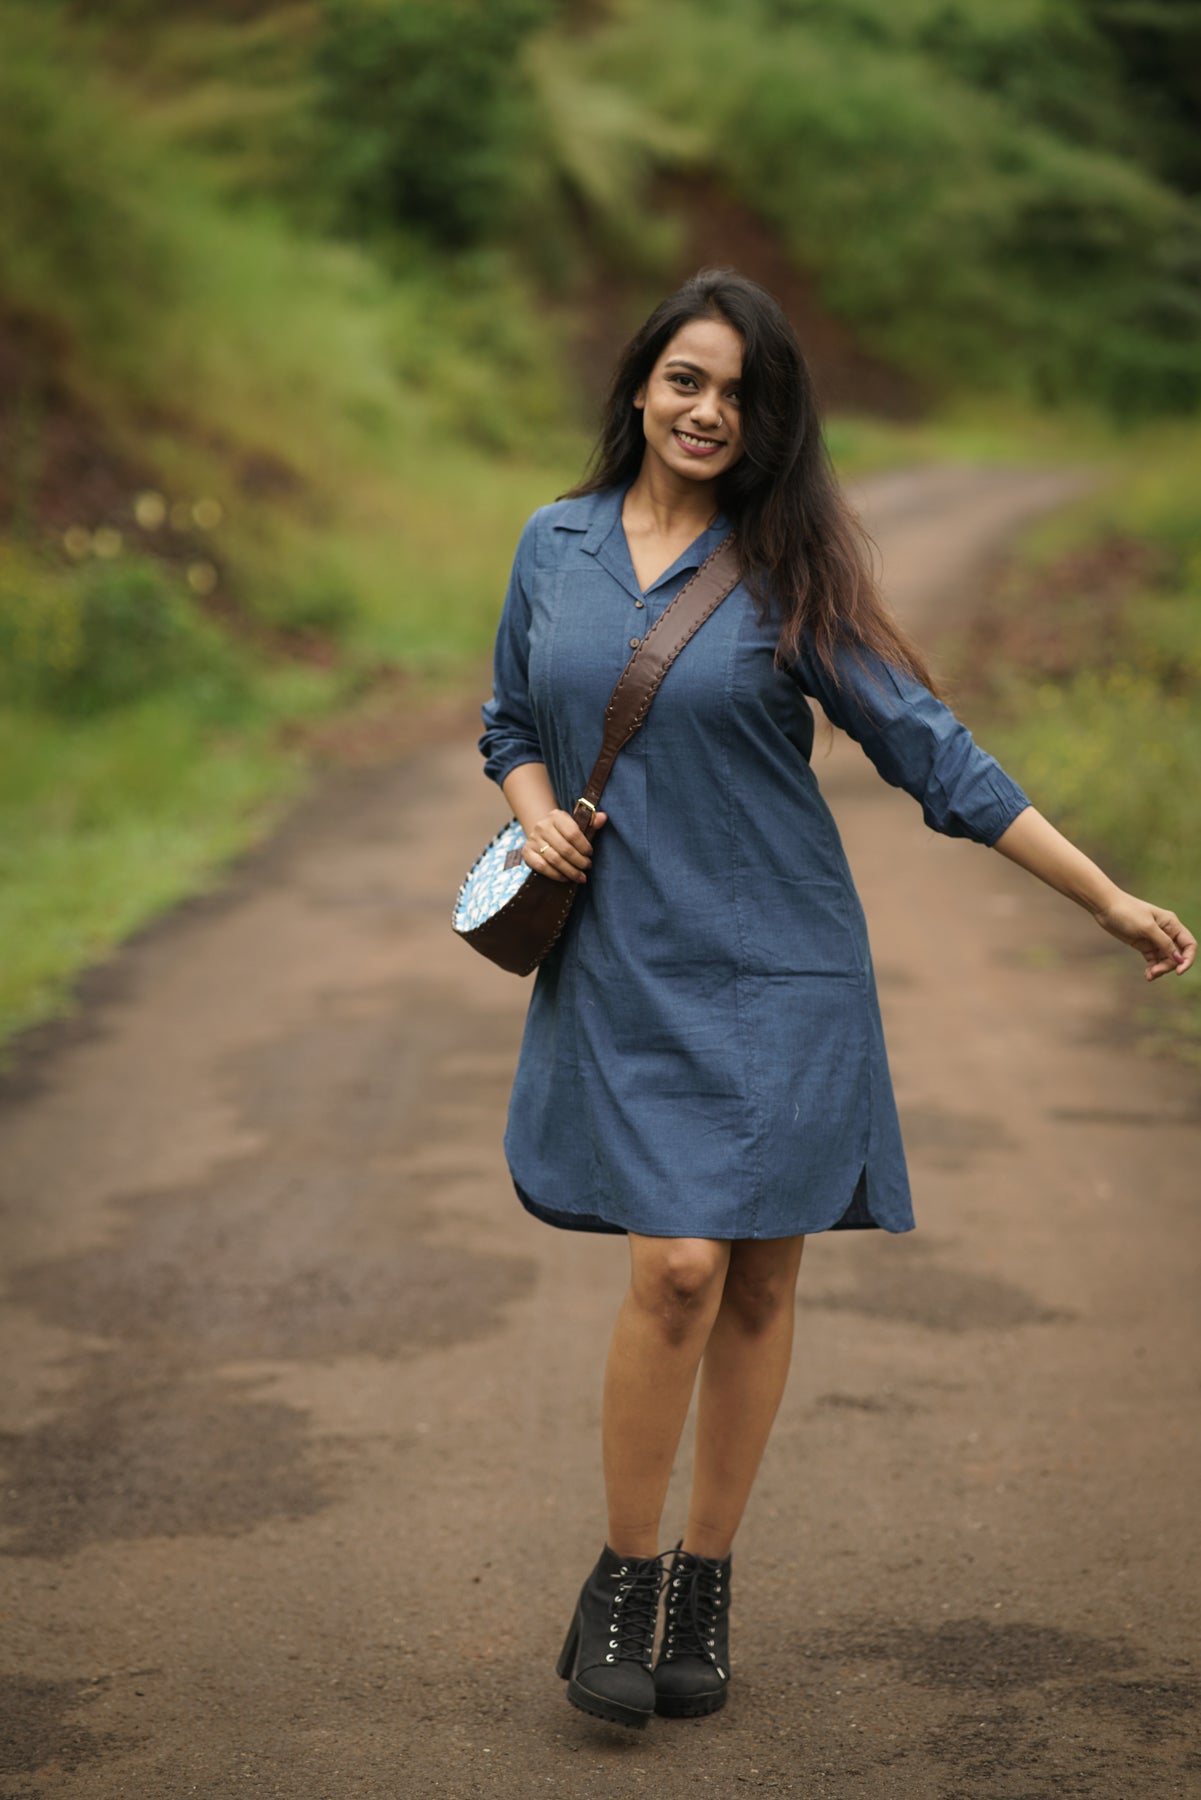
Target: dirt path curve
300, 1411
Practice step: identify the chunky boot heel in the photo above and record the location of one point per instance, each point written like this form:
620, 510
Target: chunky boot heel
567, 1653
692, 1675
606, 1655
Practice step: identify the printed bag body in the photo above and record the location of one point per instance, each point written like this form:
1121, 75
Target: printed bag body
508, 911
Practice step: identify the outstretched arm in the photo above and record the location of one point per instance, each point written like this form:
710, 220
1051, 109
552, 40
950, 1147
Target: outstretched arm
1033, 843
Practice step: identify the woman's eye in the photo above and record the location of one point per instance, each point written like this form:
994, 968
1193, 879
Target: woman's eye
684, 380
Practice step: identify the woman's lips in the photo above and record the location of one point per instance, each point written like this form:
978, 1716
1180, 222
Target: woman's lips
696, 446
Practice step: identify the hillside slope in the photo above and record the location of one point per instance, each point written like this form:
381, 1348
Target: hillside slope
303, 306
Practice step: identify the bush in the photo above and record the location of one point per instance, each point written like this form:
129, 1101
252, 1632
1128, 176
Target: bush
969, 184
76, 239
420, 107
106, 635
1099, 715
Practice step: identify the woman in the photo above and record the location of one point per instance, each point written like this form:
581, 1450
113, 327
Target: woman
703, 1066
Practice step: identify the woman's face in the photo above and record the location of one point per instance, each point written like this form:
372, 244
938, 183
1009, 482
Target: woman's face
690, 402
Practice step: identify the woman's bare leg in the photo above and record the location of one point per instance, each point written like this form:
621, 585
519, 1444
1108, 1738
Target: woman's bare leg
676, 1287
743, 1374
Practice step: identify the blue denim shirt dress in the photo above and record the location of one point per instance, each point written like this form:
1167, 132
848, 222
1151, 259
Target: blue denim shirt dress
703, 1054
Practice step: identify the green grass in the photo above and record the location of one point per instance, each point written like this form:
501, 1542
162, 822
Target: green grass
1113, 749
106, 822
973, 186
376, 420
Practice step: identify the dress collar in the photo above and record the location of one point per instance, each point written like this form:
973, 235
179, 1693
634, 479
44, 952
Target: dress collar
599, 517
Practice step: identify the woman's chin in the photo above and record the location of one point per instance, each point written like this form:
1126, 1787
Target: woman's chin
690, 468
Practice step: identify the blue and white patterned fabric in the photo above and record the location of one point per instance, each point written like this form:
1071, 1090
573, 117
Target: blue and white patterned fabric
492, 880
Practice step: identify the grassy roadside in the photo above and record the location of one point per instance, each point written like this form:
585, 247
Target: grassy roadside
249, 477
112, 809
113, 813
1087, 666
255, 477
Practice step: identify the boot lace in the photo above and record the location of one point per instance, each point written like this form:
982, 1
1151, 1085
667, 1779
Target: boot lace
695, 1597
635, 1610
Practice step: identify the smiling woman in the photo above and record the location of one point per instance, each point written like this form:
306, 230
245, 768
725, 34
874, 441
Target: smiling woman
703, 1066
690, 410
693, 405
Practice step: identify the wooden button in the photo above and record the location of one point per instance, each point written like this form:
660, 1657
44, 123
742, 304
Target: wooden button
634, 643
640, 603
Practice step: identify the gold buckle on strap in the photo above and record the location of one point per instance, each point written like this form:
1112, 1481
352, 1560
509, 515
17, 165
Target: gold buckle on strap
582, 802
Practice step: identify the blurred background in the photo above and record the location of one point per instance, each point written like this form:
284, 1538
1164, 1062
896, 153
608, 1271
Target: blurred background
304, 306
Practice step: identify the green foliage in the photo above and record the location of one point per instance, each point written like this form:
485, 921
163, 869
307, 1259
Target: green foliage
991, 196
107, 820
1112, 749
994, 197
105, 635
420, 102
77, 237
968, 182
1157, 45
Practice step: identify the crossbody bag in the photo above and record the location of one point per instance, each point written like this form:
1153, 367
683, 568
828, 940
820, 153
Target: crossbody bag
513, 914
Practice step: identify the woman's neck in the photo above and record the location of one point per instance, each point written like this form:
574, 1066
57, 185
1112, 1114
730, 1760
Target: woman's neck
660, 506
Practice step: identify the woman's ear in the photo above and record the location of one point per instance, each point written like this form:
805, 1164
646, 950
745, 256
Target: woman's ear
640, 397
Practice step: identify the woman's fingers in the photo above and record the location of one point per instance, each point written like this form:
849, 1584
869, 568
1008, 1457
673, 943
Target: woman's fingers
559, 848
547, 858
1174, 947
1186, 943
1165, 945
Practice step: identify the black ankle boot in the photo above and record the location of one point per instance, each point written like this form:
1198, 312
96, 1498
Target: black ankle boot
606, 1659
693, 1671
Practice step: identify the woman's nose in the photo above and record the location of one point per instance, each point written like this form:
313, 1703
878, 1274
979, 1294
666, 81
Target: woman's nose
705, 409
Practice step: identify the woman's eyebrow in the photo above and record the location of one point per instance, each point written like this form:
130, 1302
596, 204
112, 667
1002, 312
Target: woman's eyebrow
678, 362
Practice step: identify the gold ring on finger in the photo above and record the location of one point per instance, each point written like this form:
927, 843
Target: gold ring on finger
544, 850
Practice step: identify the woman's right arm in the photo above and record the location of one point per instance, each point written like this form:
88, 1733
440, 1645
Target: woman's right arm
569, 853
509, 744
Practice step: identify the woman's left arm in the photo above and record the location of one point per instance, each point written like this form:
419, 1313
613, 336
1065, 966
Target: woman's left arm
918, 744
1034, 844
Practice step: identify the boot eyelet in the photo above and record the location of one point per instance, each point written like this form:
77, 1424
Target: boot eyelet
610, 1659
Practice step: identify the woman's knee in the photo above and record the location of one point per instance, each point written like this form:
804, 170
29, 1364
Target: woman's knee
760, 1286
679, 1280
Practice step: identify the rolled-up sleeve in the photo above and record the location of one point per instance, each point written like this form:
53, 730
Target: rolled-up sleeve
510, 736
916, 743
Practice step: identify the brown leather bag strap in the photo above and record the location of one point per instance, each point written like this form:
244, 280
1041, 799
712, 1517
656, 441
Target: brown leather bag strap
640, 679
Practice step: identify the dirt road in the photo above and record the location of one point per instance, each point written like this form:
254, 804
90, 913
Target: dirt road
300, 1469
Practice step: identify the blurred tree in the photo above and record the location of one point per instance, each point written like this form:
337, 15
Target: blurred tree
419, 111
1158, 45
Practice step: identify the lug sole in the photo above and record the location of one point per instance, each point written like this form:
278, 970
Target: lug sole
612, 1710
692, 1706
596, 1705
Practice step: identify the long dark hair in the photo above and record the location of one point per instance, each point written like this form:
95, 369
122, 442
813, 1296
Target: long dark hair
804, 553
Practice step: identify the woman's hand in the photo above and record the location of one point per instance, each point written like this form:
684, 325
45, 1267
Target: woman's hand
558, 847
1033, 843
1163, 941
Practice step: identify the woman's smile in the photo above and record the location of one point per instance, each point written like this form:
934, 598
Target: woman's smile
691, 403
697, 446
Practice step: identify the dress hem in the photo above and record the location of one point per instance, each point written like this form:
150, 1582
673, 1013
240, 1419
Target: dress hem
856, 1217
